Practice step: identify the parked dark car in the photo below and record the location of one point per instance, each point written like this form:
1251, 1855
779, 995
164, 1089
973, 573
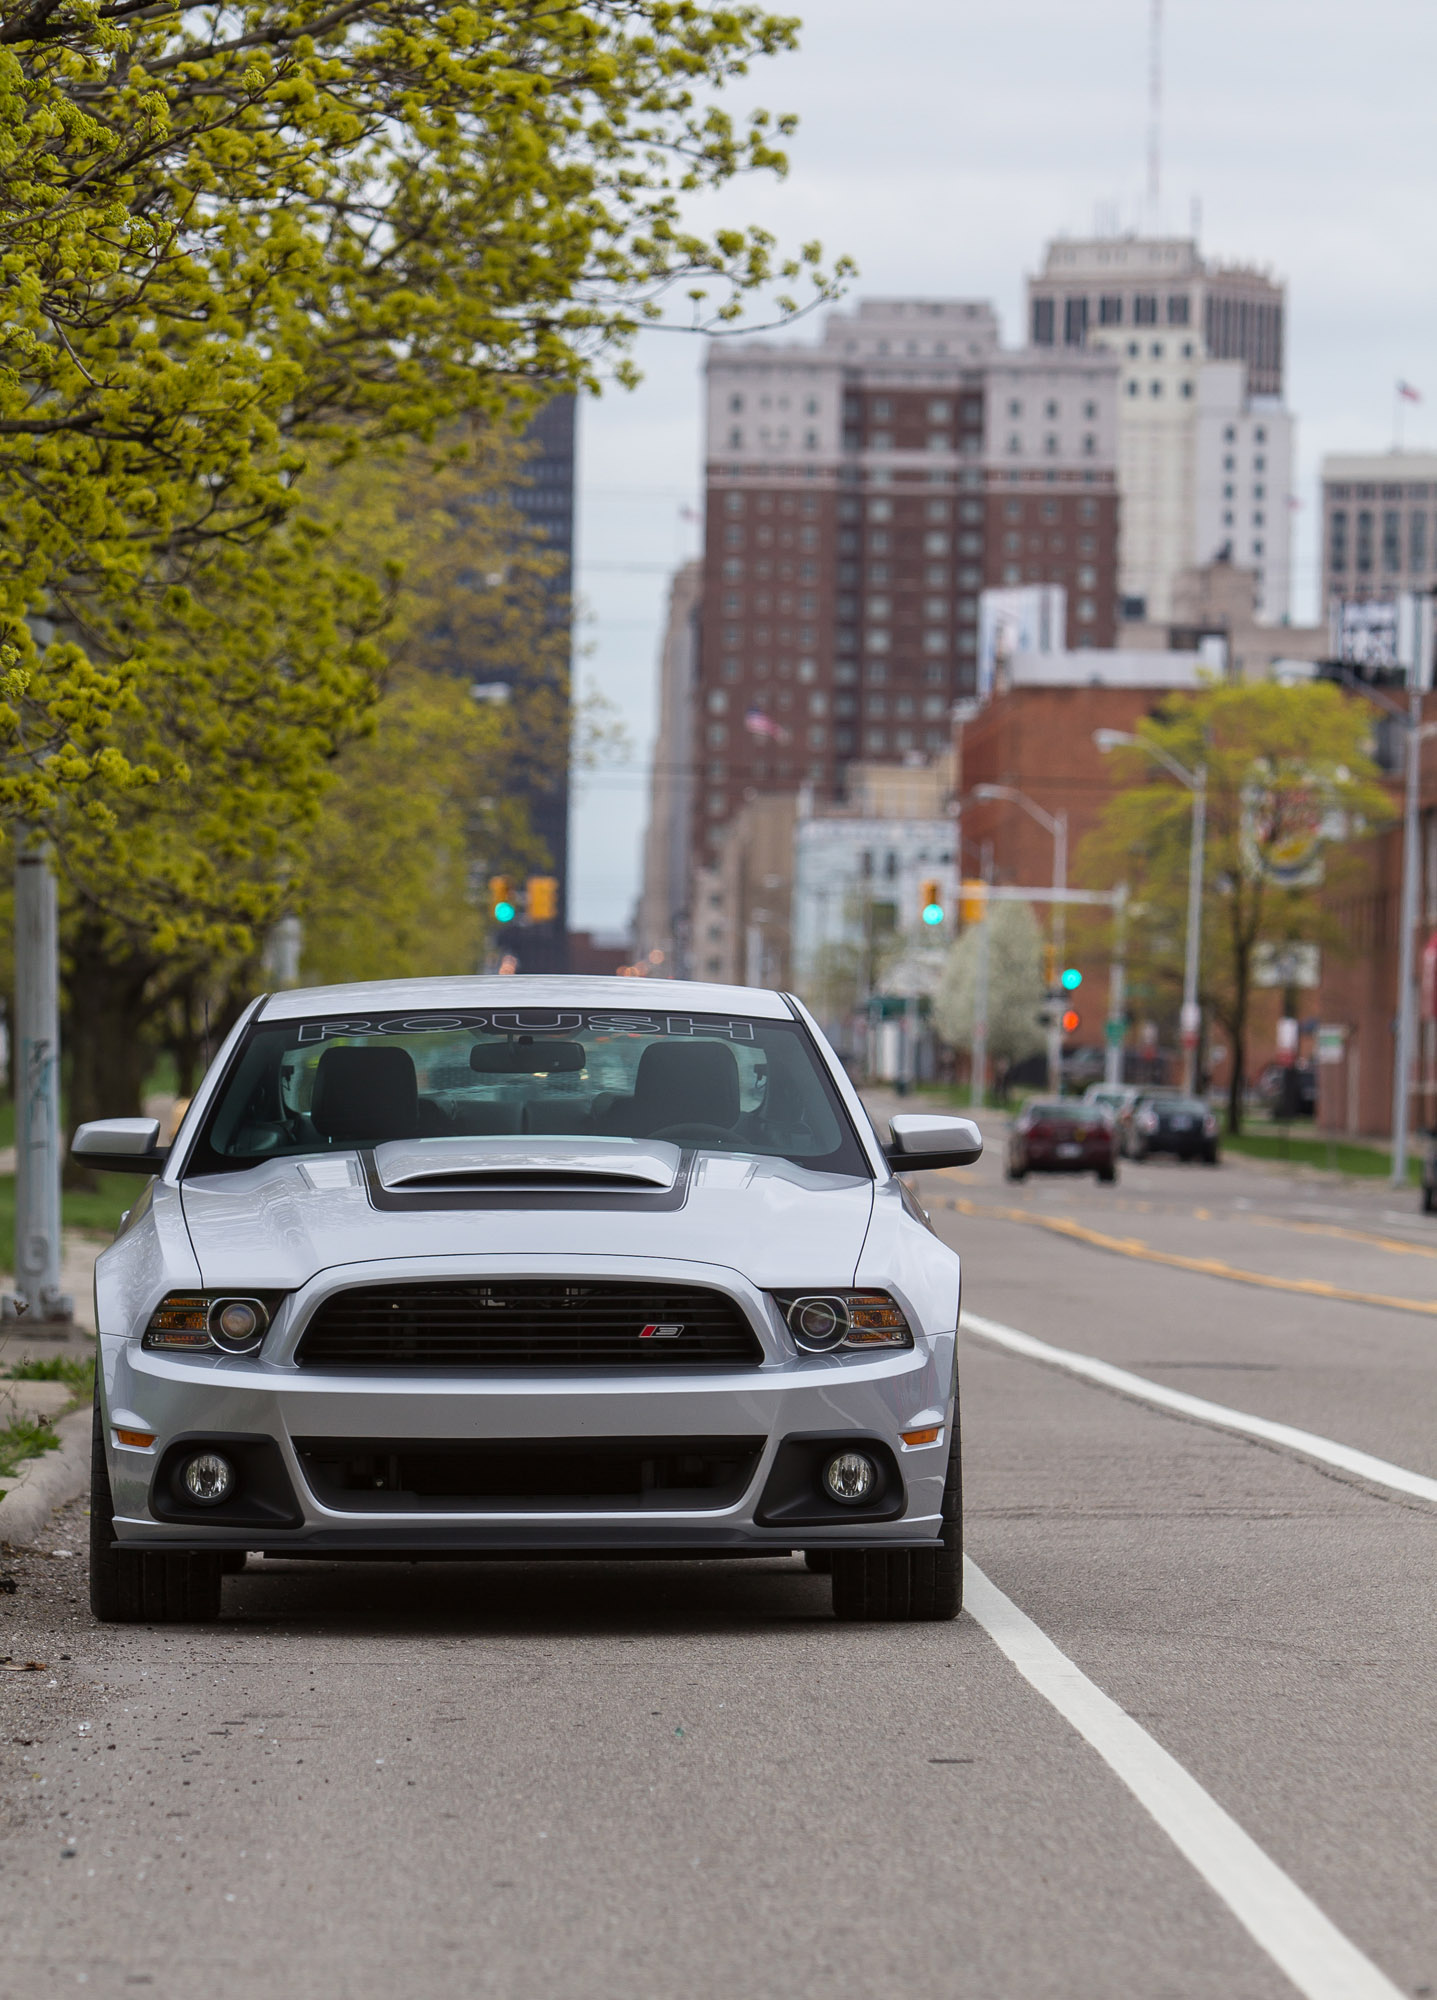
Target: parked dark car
1181, 1125
1148, 1093
1062, 1135
1429, 1176
1288, 1090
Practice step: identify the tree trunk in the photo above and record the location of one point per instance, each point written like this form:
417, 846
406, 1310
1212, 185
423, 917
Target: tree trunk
1237, 1082
106, 1018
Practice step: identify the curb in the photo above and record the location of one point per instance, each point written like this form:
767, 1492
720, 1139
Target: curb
47, 1481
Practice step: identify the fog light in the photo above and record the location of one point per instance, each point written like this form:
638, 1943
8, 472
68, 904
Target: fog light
851, 1477
208, 1478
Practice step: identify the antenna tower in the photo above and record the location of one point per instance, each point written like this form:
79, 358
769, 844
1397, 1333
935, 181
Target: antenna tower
1155, 109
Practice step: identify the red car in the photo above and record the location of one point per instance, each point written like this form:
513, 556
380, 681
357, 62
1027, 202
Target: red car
1062, 1135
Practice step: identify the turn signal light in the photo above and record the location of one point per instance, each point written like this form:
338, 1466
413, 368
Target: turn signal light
822, 1321
929, 1436
210, 1322
142, 1440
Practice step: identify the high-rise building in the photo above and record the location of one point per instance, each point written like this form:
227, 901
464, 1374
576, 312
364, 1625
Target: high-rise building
546, 499
664, 923
1204, 438
1379, 524
861, 493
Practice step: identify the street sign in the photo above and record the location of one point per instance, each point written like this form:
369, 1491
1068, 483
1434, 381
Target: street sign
1331, 1042
1114, 1031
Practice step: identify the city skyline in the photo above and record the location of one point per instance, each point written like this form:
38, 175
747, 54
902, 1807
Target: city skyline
1052, 126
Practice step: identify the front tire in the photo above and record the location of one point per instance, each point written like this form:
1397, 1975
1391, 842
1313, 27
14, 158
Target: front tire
927, 1584
1107, 1175
142, 1586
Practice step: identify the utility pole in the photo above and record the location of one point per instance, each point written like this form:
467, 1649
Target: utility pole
979, 1085
37, 1296
1190, 1019
1057, 825
1416, 731
1411, 871
1115, 1026
1192, 1013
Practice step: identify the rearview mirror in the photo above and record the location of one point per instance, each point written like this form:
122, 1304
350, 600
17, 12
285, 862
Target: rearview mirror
121, 1145
920, 1139
527, 1058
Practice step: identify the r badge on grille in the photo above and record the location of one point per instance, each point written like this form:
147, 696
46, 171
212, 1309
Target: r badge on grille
654, 1331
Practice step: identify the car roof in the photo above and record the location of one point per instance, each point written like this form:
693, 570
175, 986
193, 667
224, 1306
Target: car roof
536, 990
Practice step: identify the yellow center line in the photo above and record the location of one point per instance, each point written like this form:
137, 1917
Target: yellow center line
1392, 1243
1209, 1267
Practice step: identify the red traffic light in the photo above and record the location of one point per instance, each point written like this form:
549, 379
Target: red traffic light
1072, 1021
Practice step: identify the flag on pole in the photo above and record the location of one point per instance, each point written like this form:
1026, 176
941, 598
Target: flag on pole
1408, 394
759, 724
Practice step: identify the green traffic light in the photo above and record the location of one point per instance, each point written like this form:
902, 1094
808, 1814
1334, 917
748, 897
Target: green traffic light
503, 913
933, 913
1072, 979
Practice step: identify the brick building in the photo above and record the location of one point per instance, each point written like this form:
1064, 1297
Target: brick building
1036, 736
861, 492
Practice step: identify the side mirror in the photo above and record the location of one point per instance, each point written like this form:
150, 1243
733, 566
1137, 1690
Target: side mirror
920, 1139
121, 1145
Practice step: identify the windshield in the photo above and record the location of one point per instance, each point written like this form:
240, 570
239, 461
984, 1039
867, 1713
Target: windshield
1065, 1108
316, 1086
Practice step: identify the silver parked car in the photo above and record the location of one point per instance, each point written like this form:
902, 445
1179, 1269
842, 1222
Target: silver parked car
543, 1267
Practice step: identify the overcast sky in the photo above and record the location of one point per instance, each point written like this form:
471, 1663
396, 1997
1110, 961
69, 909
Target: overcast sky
941, 143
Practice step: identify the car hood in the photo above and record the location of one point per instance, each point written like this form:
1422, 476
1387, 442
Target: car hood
277, 1226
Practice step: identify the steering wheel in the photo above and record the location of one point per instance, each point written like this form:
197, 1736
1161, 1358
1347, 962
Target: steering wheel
694, 1132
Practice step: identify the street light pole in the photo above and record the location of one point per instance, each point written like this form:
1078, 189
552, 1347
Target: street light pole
1196, 782
1416, 732
36, 1061
1406, 1011
1192, 1013
979, 1081
1057, 825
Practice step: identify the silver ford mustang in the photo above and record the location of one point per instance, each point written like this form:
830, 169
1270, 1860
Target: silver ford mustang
455, 1268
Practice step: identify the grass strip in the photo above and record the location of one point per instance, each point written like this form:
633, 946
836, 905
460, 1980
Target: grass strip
1336, 1156
99, 1212
29, 1436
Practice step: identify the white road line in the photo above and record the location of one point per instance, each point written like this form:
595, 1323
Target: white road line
1379, 1471
1321, 1963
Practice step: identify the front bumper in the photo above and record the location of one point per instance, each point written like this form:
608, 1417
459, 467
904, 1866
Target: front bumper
288, 1415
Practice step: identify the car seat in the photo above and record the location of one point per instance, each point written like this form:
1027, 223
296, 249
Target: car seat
679, 1083
363, 1096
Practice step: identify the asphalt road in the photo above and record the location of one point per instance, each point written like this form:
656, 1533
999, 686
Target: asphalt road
648, 1780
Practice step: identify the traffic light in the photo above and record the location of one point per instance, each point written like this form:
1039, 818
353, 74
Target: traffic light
930, 902
501, 906
973, 901
1050, 966
1072, 1021
1072, 979
543, 898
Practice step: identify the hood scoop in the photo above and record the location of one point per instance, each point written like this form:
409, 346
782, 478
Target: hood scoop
538, 1165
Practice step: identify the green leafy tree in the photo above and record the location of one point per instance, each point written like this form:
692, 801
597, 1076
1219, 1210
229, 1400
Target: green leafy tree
1015, 984
239, 243
1291, 791
265, 698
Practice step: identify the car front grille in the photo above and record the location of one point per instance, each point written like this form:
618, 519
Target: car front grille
528, 1324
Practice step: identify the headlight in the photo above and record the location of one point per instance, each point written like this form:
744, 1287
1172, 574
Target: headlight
1147, 1121
210, 1322
822, 1321
1209, 1124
